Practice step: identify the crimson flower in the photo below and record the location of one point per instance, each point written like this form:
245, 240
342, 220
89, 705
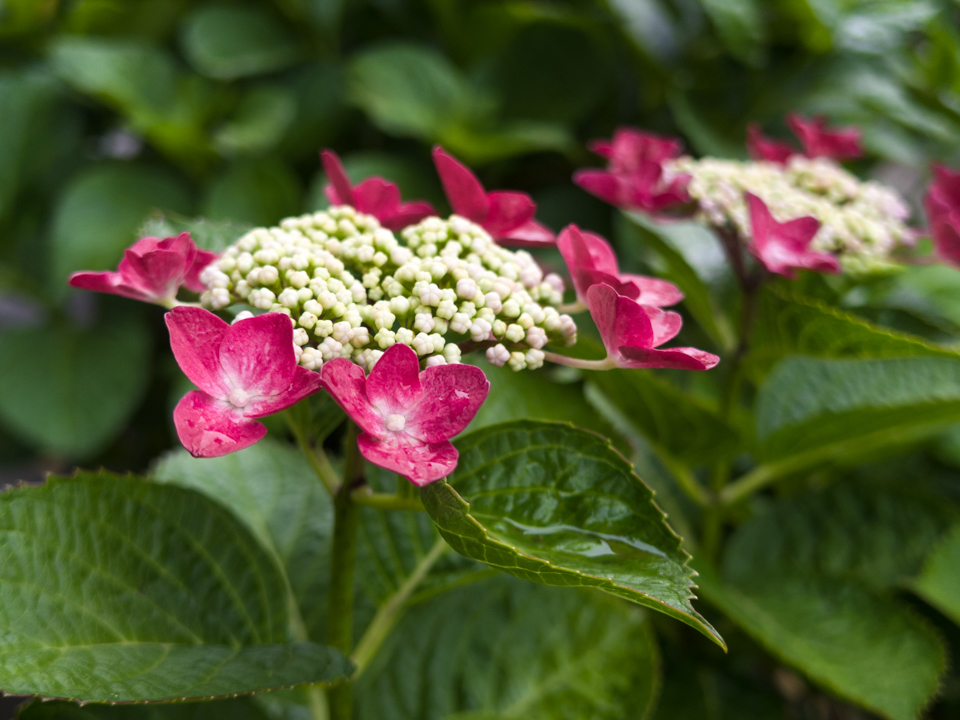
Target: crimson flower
152, 270
631, 333
408, 416
760, 147
374, 196
506, 215
942, 203
782, 247
246, 370
591, 260
634, 177
818, 141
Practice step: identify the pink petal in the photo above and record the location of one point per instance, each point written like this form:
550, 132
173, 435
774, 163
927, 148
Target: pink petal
376, 196
305, 382
257, 354
760, 147
345, 382
408, 214
583, 280
145, 245
394, 383
620, 320
817, 141
159, 272
339, 191
420, 463
601, 254
653, 291
606, 186
946, 185
508, 211
452, 394
208, 427
665, 324
107, 282
632, 147
946, 239
590, 260
195, 338
192, 281
464, 192
530, 234
682, 358
781, 247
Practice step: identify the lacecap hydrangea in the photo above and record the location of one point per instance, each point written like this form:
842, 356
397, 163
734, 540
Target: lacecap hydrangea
353, 289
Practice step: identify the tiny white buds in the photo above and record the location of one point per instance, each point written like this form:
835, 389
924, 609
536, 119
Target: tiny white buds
498, 355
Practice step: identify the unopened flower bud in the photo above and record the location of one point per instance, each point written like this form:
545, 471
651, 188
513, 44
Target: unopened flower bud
451, 353
515, 333
536, 337
243, 315
435, 360
517, 361
424, 322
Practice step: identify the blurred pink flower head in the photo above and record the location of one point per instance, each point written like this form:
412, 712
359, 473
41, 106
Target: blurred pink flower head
152, 270
246, 370
508, 216
816, 138
760, 147
784, 247
942, 203
408, 416
591, 261
374, 196
635, 176
632, 333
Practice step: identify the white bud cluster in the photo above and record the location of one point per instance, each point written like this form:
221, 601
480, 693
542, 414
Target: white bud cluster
352, 289
861, 222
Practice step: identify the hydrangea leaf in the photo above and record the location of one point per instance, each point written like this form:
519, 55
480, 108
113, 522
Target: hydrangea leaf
72, 402
557, 505
232, 709
791, 325
254, 192
507, 649
814, 409
157, 587
212, 235
939, 583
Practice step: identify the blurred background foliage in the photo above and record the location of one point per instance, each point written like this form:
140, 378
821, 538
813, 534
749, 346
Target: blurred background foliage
113, 110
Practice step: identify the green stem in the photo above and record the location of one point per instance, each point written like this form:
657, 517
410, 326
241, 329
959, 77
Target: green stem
385, 501
606, 364
315, 456
390, 612
346, 518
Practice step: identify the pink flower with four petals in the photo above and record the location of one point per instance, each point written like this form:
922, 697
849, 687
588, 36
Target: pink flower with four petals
817, 141
942, 203
591, 260
374, 196
783, 247
246, 370
408, 416
506, 215
632, 333
760, 147
152, 270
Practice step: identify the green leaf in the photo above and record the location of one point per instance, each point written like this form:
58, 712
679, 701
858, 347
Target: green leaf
556, 505
215, 235
676, 246
791, 325
97, 216
74, 400
259, 122
828, 407
740, 25
232, 709
271, 489
510, 650
671, 419
233, 42
156, 587
939, 583
255, 192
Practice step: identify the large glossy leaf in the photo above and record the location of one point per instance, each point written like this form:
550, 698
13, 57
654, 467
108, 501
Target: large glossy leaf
272, 489
740, 25
557, 505
159, 589
791, 325
824, 408
73, 401
939, 583
505, 649
232, 709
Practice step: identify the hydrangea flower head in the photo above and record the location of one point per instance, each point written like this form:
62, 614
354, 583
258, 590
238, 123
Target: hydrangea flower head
591, 260
635, 176
408, 416
783, 247
508, 216
632, 333
152, 270
819, 141
243, 371
374, 196
942, 203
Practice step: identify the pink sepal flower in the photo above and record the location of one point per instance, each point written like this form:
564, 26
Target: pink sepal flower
942, 203
152, 270
634, 177
374, 196
408, 416
243, 371
591, 260
632, 333
818, 141
506, 215
783, 247
760, 147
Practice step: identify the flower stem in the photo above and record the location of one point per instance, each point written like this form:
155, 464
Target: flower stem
573, 308
346, 517
606, 364
385, 501
390, 612
315, 456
